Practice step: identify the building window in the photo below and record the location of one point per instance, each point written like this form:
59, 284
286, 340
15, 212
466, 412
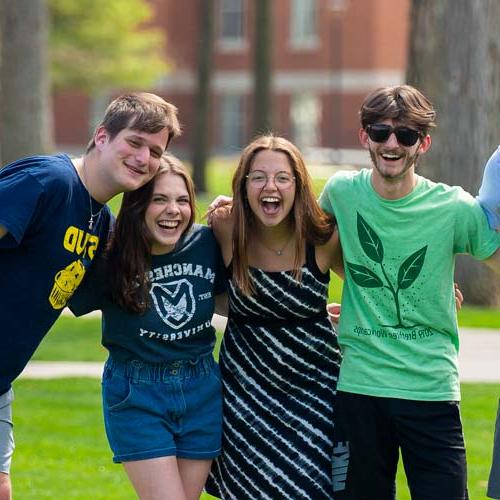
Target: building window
231, 25
305, 118
303, 24
232, 122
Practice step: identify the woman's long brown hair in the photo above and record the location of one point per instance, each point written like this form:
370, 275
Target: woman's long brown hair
128, 255
311, 225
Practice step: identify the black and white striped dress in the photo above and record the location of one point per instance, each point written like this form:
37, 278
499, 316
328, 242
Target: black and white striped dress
279, 363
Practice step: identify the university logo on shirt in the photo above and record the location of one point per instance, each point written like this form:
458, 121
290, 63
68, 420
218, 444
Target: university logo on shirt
174, 302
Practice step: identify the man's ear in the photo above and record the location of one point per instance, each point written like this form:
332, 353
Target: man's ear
363, 138
425, 144
101, 136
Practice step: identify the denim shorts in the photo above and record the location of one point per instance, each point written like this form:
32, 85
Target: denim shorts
6, 431
159, 410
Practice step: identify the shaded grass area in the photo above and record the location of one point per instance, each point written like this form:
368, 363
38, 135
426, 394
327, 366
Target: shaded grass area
62, 450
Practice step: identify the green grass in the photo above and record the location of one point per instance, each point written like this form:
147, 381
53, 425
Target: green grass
62, 451
73, 339
479, 317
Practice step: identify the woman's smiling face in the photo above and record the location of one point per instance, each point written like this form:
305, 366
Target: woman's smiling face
270, 187
168, 212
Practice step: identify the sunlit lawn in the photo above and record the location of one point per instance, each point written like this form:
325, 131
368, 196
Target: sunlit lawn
62, 452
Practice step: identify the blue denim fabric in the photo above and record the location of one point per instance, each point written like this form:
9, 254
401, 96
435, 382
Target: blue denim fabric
158, 410
6, 431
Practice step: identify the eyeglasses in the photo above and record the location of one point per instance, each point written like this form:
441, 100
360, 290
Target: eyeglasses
259, 179
380, 132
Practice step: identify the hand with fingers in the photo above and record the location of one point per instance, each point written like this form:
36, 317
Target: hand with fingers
333, 310
220, 208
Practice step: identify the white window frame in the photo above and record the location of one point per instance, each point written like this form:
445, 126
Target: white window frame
305, 119
232, 122
230, 42
304, 20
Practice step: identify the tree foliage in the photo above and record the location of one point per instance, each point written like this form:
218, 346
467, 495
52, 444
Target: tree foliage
96, 45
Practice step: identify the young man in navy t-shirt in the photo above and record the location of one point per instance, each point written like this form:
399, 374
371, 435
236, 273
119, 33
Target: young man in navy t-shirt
53, 222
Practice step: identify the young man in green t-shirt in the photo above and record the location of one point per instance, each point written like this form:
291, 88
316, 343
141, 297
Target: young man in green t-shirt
399, 388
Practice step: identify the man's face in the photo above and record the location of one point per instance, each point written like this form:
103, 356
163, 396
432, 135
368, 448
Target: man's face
131, 158
391, 159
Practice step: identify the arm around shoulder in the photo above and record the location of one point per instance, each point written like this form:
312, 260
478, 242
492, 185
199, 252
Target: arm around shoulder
329, 255
222, 227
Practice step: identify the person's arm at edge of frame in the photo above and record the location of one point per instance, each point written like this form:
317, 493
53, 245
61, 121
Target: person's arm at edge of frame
3, 231
489, 198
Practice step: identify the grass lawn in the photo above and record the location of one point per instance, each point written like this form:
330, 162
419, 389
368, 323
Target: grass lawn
62, 451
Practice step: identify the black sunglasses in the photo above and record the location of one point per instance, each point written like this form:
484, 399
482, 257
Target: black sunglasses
380, 132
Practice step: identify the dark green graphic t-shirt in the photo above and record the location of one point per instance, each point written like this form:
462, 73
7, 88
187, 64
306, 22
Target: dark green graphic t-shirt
398, 328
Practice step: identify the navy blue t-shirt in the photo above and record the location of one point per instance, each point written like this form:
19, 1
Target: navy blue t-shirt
177, 326
45, 208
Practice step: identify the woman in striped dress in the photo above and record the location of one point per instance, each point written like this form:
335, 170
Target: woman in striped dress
280, 358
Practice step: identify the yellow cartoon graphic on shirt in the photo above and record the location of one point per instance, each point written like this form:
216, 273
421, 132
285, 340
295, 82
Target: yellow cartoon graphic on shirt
67, 280
65, 283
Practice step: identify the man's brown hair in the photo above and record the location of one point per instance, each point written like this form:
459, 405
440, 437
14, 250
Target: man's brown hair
141, 111
402, 103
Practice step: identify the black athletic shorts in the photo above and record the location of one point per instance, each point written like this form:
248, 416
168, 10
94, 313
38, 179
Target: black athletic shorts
370, 433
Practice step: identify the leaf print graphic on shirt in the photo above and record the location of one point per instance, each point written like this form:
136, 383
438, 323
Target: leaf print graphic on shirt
367, 278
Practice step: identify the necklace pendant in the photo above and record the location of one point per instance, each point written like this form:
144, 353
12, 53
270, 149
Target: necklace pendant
91, 222
279, 253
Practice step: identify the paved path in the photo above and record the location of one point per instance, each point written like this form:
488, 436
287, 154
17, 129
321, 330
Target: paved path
479, 359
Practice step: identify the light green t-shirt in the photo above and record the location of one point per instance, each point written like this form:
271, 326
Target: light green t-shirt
398, 328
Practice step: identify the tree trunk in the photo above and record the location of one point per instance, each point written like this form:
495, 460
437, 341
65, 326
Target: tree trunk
262, 70
201, 131
454, 59
25, 109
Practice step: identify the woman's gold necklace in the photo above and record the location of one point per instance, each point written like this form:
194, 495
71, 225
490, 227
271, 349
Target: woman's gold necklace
281, 250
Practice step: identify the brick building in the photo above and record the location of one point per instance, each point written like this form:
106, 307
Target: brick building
326, 56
